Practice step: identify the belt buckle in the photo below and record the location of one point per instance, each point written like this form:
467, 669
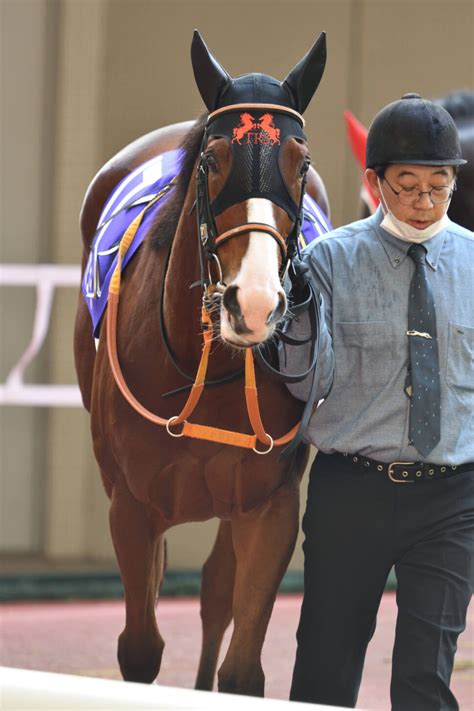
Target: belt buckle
391, 473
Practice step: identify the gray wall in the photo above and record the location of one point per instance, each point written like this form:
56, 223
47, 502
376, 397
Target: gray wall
80, 79
28, 43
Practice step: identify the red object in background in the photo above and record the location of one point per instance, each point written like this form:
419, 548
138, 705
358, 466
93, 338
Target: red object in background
357, 136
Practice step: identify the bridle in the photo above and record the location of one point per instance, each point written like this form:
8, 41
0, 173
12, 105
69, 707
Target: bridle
210, 240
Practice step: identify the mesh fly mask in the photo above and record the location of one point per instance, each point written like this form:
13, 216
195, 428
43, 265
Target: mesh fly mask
256, 134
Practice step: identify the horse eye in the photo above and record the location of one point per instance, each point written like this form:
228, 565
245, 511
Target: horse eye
211, 163
305, 166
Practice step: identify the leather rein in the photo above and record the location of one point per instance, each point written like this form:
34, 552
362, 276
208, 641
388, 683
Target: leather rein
209, 242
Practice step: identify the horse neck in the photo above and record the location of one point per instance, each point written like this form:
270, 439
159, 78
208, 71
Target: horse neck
182, 305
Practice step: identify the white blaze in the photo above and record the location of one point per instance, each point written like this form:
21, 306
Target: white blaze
258, 279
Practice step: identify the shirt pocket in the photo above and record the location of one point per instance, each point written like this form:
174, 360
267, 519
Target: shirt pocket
363, 353
460, 362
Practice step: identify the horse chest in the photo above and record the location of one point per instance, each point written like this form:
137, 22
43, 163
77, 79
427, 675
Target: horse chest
191, 480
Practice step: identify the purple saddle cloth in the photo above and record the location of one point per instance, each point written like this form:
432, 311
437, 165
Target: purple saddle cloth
127, 200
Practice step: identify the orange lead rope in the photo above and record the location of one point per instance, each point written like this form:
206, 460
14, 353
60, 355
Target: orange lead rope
253, 409
212, 434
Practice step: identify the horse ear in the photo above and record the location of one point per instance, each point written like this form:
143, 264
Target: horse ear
210, 76
304, 78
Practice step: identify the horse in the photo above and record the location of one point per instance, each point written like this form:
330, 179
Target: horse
231, 236
460, 104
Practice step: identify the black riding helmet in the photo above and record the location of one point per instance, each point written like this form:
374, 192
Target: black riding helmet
415, 131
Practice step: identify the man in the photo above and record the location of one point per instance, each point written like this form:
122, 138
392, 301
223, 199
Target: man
393, 481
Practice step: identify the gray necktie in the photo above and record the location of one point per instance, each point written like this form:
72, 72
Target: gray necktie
423, 374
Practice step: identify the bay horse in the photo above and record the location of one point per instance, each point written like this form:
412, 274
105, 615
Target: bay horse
460, 104
229, 231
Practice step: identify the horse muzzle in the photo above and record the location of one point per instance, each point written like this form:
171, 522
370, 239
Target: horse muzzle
249, 317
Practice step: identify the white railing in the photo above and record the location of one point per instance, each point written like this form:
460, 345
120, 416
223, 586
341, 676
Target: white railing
45, 277
26, 689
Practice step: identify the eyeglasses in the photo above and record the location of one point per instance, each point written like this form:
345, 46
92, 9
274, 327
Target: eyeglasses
409, 196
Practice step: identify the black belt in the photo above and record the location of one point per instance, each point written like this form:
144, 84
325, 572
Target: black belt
407, 472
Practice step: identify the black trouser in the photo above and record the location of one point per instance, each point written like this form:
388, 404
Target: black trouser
357, 525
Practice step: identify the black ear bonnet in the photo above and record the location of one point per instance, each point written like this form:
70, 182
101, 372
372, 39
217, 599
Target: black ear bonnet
219, 89
256, 138
255, 89
256, 134
256, 114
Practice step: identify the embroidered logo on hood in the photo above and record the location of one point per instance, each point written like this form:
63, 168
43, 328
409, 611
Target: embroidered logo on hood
256, 131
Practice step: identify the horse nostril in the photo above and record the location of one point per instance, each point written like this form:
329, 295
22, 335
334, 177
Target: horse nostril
278, 311
230, 301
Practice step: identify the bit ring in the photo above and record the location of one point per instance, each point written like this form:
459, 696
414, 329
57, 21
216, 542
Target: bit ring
265, 451
170, 421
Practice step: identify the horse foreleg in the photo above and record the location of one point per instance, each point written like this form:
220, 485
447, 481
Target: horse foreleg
217, 589
140, 553
263, 540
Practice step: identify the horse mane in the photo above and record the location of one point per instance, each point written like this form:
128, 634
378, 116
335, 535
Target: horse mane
164, 226
460, 104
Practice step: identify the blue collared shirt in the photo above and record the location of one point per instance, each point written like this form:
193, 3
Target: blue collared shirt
363, 274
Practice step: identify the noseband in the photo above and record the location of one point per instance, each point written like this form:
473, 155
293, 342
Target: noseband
209, 238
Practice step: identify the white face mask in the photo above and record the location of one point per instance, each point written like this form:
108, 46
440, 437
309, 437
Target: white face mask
407, 232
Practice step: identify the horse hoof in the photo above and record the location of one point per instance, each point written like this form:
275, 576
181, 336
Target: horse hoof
139, 663
250, 682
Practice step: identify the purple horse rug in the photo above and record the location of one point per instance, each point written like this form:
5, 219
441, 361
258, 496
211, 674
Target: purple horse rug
128, 199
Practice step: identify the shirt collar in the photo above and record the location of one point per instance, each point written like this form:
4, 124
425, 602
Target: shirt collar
396, 249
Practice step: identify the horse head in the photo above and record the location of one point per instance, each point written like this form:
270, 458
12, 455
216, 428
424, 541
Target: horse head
250, 186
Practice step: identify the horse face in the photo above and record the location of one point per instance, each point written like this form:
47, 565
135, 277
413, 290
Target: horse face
253, 300
255, 150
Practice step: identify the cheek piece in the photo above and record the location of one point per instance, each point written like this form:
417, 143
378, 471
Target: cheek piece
256, 138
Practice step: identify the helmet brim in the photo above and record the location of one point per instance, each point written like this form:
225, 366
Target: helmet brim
405, 161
